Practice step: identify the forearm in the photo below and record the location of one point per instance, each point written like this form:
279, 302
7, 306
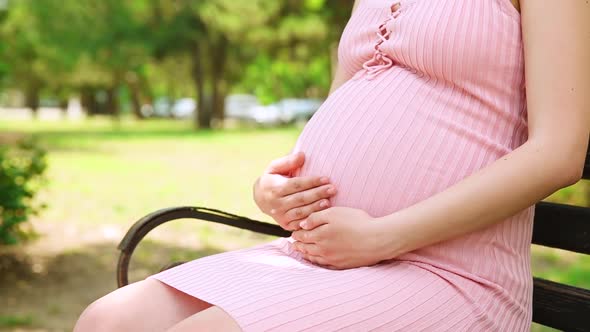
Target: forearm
503, 188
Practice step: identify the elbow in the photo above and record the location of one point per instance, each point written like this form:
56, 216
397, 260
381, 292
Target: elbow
572, 175
568, 172
564, 167
573, 166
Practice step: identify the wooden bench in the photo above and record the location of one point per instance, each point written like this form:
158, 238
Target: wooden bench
560, 226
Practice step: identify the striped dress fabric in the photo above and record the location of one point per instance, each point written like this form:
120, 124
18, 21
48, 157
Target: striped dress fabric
436, 92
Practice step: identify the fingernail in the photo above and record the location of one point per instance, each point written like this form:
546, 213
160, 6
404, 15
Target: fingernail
331, 190
323, 204
303, 224
324, 180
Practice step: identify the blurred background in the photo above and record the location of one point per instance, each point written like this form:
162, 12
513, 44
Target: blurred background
112, 109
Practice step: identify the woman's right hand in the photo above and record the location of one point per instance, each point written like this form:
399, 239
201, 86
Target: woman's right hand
288, 200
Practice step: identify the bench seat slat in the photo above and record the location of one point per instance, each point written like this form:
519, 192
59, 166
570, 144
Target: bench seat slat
562, 226
561, 306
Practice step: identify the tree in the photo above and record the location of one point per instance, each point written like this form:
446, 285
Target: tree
274, 48
224, 37
3, 64
106, 56
27, 68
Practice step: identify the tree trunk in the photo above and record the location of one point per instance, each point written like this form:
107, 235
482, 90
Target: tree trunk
32, 98
113, 106
135, 100
112, 102
219, 101
144, 88
218, 60
88, 100
63, 106
203, 113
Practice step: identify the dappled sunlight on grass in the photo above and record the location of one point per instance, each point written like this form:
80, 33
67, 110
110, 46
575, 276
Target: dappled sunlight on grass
119, 179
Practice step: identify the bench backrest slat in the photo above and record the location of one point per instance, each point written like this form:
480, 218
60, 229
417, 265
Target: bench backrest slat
562, 226
565, 227
561, 306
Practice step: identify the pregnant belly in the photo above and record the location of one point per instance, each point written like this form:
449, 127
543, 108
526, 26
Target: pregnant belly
385, 144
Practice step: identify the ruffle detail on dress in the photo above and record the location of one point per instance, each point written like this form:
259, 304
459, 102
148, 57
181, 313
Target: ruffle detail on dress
380, 61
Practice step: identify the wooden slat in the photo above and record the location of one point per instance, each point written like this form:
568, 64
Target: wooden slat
562, 226
561, 306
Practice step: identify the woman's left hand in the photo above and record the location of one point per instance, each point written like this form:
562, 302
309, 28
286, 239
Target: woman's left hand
340, 238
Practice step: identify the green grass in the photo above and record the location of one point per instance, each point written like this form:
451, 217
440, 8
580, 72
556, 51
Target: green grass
16, 321
103, 175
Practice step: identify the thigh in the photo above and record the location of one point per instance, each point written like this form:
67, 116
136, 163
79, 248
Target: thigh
147, 305
212, 319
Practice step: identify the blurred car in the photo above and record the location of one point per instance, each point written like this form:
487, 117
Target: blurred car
159, 109
48, 102
184, 108
267, 114
298, 109
239, 106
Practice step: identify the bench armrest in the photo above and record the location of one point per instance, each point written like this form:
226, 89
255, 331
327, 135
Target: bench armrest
144, 225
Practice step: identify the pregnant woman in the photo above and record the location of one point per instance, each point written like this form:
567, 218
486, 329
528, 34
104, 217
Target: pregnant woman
435, 157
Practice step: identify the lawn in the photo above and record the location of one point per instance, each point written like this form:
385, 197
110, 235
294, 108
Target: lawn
103, 177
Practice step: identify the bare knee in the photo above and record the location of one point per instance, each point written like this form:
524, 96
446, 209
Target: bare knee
147, 305
104, 314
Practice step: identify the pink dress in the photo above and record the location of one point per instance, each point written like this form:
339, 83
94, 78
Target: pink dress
437, 92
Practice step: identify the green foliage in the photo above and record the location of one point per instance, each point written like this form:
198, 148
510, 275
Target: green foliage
316, 5
92, 42
152, 48
21, 174
3, 66
277, 78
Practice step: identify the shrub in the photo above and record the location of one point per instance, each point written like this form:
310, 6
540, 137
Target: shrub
22, 167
